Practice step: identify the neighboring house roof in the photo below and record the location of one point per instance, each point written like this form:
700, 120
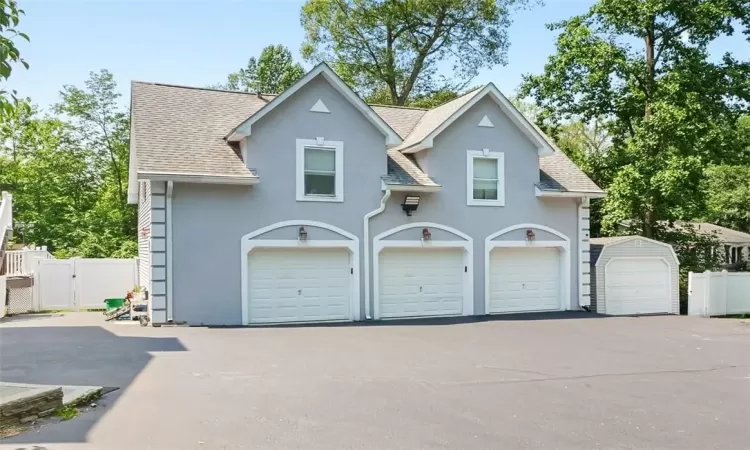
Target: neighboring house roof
725, 235
181, 131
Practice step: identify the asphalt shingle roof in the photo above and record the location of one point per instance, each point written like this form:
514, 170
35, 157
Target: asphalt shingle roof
181, 130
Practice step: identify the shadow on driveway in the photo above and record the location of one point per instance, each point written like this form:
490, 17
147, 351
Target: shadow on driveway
87, 355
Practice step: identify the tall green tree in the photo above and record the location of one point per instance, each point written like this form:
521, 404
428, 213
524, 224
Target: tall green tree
51, 177
9, 18
728, 196
271, 73
397, 45
670, 108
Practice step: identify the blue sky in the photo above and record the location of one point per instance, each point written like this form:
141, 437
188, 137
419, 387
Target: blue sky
198, 43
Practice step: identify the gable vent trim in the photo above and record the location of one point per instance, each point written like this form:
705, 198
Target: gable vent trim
320, 107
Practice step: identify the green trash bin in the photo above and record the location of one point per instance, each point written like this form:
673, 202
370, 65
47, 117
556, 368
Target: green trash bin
114, 303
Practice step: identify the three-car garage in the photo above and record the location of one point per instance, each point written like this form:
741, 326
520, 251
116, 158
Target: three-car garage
310, 280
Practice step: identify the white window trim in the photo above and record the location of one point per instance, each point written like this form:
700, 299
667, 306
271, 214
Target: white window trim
336, 146
500, 158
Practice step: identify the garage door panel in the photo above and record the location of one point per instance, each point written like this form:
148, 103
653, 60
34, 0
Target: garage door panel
417, 282
524, 279
637, 286
299, 285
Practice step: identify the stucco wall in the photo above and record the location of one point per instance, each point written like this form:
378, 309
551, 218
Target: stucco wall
447, 166
209, 220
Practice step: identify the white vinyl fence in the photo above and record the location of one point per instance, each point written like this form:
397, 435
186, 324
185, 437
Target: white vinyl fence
718, 293
79, 284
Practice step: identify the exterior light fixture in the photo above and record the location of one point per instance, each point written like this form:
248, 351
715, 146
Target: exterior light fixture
530, 235
426, 235
302, 234
411, 203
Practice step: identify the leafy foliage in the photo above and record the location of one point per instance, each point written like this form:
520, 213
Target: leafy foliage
9, 54
271, 73
728, 196
643, 67
396, 46
67, 174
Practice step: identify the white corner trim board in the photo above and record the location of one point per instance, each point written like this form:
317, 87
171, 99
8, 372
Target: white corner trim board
485, 123
248, 243
379, 243
565, 258
170, 296
320, 107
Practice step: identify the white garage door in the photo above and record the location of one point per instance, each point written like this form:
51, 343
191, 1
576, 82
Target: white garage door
299, 285
637, 286
524, 279
421, 282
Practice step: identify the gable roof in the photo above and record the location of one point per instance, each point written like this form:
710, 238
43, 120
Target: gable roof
438, 119
245, 127
179, 131
598, 244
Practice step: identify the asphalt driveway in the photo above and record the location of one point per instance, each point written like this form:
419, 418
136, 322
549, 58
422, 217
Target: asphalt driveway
562, 381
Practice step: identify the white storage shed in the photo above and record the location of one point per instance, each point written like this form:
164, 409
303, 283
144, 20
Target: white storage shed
633, 275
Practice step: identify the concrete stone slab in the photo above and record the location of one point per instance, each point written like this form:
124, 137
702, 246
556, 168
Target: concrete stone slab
12, 392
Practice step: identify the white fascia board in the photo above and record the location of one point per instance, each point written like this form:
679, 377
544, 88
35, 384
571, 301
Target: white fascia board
197, 178
245, 128
568, 194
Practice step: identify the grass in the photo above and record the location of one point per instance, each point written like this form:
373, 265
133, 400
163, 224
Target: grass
67, 412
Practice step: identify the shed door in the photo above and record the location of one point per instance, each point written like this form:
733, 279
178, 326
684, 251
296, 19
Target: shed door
524, 279
299, 285
637, 286
421, 282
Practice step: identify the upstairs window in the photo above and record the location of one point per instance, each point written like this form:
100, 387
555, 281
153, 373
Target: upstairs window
485, 178
320, 169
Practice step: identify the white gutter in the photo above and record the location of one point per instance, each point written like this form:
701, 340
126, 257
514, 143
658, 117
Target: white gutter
411, 188
369, 216
568, 194
197, 178
170, 187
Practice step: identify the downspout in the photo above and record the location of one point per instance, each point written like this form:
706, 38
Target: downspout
170, 187
368, 216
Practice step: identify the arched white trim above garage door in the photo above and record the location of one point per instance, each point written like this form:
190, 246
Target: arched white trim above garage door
565, 258
379, 243
408, 226
248, 243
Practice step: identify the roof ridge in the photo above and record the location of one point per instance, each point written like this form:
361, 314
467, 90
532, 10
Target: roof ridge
398, 107
182, 86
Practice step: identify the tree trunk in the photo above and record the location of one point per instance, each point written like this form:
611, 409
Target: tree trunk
650, 71
648, 224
